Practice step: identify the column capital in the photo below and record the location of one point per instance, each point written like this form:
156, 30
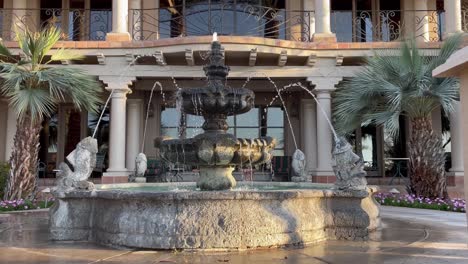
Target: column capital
324, 85
119, 85
324, 82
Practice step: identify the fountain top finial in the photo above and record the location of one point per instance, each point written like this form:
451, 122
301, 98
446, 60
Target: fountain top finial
215, 36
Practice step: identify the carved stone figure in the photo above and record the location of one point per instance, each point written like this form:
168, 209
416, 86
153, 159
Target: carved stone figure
299, 166
141, 164
77, 167
348, 167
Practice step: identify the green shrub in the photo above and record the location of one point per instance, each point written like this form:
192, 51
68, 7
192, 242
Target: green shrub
4, 169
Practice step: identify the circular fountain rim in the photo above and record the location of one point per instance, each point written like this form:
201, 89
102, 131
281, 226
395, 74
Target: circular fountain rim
105, 191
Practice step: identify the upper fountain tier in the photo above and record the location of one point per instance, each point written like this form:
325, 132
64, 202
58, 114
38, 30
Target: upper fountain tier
216, 97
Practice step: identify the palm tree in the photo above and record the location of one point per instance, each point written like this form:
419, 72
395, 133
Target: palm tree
34, 90
400, 82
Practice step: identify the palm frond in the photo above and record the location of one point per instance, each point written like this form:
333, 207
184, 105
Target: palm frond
82, 89
66, 54
449, 46
35, 103
35, 90
394, 83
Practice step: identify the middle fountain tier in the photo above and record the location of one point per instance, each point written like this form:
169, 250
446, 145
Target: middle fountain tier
215, 151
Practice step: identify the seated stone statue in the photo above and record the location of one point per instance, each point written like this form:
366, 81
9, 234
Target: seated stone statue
141, 164
298, 165
348, 167
77, 167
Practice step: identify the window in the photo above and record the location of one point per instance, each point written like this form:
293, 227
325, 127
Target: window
275, 128
174, 124
258, 122
227, 17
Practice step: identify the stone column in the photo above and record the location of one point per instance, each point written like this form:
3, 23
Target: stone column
117, 172
453, 19
151, 25
309, 17
323, 89
309, 133
19, 16
421, 21
64, 13
119, 21
134, 117
322, 22
456, 134
135, 20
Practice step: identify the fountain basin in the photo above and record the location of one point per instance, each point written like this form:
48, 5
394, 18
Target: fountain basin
199, 101
254, 216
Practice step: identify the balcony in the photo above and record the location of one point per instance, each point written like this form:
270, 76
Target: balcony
225, 19
388, 25
232, 20
76, 24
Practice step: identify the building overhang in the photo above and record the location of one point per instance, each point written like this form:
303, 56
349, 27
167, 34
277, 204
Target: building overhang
454, 65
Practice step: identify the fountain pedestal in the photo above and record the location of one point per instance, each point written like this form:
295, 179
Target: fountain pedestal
216, 178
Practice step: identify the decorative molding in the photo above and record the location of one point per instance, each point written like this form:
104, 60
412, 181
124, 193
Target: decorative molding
179, 71
189, 57
324, 84
129, 57
311, 60
118, 84
101, 59
339, 60
283, 58
253, 57
159, 56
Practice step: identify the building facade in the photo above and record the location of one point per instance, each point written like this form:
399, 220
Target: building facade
300, 49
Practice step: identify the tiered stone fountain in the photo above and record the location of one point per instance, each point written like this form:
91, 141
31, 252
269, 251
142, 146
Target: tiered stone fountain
215, 151
168, 216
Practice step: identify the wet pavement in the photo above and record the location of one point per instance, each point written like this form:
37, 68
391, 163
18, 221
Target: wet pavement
408, 236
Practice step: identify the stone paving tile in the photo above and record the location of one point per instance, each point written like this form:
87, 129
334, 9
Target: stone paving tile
408, 236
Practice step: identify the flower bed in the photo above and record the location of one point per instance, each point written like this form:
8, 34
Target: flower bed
19, 205
453, 205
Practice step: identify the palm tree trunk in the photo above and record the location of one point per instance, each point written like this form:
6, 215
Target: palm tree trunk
427, 160
24, 159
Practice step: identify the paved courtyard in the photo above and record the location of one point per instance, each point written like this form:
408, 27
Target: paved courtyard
408, 236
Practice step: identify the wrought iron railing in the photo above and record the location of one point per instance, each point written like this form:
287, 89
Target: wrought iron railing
239, 19
464, 20
226, 19
76, 24
388, 25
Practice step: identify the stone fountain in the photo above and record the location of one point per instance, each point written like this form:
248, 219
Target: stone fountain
181, 216
215, 151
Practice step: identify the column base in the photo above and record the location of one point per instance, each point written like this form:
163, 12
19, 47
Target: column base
111, 177
323, 176
324, 179
455, 178
324, 37
125, 36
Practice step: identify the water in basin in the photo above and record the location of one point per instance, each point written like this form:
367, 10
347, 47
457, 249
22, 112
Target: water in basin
239, 188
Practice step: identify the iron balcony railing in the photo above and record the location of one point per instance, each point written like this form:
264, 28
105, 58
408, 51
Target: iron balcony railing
231, 19
225, 18
76, 24
388, 25
465, 20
